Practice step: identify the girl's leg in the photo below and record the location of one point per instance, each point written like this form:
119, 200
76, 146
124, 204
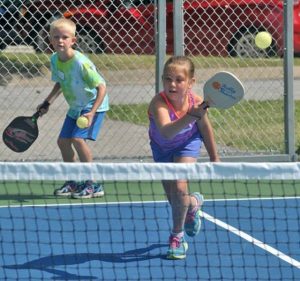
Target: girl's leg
177, 194
66, 149
192, 221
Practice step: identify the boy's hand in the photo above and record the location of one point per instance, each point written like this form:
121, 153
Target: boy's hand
90, 117
43, 108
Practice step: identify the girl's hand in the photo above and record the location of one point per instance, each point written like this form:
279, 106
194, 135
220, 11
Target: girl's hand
215, 159
198, 110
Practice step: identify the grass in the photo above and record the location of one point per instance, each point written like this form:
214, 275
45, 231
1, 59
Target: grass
250, 125
28, 65
130, 62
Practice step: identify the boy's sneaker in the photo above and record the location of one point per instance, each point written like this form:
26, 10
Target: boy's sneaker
178, 248
67, 189
192, 222
90, 189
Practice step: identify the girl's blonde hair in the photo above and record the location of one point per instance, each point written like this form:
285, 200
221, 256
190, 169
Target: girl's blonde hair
65, 23
175, 61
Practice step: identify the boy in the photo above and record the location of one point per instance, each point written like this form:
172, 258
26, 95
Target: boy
85, 92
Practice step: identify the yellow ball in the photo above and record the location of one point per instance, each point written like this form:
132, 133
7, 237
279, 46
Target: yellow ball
263, 40
82, 122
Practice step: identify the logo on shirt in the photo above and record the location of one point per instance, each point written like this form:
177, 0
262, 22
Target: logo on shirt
61, 75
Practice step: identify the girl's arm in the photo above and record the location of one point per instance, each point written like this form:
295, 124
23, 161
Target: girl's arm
207, 134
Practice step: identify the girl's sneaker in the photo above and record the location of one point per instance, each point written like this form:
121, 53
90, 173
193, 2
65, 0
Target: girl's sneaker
192, 222
177, 249
89, 189
67, 189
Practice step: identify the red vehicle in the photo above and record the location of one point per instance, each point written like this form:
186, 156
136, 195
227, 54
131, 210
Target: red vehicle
297, 27
212, 27
229, 27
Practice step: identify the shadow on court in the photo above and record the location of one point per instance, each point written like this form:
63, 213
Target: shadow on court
48, 264
20, 198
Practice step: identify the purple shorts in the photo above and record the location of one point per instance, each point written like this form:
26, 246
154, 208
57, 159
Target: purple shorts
191, 148
70, 129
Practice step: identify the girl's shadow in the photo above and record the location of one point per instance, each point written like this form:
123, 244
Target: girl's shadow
48, 263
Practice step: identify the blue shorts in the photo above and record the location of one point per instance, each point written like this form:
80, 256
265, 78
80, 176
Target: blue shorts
189, 149
70, 129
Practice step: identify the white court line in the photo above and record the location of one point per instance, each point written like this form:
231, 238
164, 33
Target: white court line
252, 240
79, 203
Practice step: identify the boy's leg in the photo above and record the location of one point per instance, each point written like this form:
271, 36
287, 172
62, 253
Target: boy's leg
66, 149
64, 141
83, 150
90, 189
79, 137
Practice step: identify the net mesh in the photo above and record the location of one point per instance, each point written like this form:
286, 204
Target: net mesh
250, 222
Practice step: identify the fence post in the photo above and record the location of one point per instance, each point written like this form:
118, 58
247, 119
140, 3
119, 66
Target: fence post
160, 41
289, 112
178, 28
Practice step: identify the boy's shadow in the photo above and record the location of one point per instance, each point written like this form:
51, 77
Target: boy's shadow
48, 264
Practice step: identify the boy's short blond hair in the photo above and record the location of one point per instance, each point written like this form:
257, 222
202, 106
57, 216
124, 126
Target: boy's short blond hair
65, 23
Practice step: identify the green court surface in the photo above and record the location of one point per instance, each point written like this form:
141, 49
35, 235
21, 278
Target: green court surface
39, 192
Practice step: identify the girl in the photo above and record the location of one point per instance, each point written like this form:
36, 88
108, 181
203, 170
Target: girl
178, 125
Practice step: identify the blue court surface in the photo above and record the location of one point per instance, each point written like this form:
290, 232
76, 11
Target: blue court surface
240, 240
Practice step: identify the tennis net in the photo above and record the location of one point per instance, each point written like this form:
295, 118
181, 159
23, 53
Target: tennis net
250, 222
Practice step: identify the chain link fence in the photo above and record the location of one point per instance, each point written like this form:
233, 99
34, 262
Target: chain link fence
258, 126
120, 37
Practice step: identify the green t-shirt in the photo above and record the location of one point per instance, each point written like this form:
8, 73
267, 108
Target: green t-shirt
78, 79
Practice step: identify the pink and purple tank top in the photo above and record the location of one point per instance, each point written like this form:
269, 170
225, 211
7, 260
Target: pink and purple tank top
182, 137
